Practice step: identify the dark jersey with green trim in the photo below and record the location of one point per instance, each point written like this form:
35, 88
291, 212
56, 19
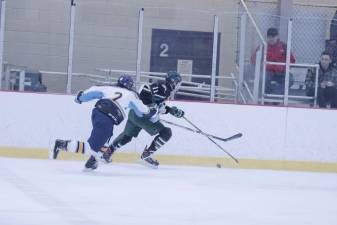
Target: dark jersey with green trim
155, 93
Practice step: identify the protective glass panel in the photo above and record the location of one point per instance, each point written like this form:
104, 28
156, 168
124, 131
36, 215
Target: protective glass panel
105, 43
179, 40
36, 46
226, 79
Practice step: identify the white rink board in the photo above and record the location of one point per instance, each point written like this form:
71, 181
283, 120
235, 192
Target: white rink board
273, 133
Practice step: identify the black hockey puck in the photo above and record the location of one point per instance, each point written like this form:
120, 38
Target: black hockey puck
218, 165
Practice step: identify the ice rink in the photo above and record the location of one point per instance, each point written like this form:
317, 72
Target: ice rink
40, 192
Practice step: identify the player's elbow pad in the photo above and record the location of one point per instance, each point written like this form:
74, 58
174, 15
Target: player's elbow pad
91, 96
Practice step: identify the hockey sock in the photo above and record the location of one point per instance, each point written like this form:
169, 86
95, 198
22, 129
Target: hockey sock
163, 137
78, 147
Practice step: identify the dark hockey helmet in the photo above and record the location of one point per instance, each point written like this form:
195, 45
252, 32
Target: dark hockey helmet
125, 81
173, 79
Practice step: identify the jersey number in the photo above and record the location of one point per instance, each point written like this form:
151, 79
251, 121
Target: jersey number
118, 96
164, 47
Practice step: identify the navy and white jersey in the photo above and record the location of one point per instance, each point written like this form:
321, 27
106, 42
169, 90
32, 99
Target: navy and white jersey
125, 99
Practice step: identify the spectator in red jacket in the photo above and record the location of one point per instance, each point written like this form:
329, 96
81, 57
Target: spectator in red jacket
276, 52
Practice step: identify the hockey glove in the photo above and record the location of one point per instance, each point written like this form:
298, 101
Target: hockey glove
176, 112
77, 99
163, 108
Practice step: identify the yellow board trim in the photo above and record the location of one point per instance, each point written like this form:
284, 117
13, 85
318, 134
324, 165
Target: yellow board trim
80, 147
183, 160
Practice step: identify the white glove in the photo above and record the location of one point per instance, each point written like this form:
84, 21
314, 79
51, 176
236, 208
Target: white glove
162, 108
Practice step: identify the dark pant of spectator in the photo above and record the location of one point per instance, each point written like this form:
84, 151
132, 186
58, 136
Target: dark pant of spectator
275, 83
327, 96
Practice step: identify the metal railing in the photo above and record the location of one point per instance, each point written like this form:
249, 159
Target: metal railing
288, 64
260, 54
200, 90
257, 94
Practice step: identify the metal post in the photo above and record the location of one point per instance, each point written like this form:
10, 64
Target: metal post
257, 75
264, 70
2, 37
215, 54
22, 80
71, 45
286, 8
7, 77
252, 20
316, 85
139, 48
286, 91
242, 50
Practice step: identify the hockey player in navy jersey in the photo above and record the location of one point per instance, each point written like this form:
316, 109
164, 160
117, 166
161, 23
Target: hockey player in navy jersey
154, 96
109, 110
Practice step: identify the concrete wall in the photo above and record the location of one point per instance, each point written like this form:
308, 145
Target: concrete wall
106, 32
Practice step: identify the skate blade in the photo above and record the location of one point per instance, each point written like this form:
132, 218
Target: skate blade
88, 170
102, 161
51, 154
51, 150
148, 165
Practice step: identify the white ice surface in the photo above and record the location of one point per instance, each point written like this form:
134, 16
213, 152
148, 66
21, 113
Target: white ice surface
43, 192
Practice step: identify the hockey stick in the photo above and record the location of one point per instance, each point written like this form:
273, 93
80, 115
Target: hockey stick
235, 136
201, 132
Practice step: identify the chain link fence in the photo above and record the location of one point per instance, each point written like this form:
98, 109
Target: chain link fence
311, 26
310, 35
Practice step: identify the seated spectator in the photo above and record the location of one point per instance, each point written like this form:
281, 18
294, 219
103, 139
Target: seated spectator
276, 52
327, 80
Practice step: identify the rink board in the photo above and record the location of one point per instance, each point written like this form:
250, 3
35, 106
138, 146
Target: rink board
184, 160
274, 137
